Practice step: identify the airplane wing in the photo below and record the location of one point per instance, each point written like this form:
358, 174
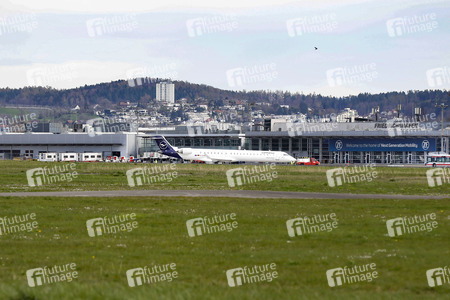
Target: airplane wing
205, 159
219, 158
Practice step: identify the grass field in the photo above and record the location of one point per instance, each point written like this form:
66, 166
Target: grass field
260, 238
112, 176
10, 111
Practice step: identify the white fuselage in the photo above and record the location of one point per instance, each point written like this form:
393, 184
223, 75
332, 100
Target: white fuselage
216, 155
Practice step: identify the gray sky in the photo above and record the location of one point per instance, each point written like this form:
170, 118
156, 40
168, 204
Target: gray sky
363, 46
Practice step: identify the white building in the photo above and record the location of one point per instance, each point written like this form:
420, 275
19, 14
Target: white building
165, 91
31, 144
348, 115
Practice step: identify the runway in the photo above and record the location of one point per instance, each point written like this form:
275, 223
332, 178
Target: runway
219, 193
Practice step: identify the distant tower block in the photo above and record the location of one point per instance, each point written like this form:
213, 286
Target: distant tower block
165, 91
418, 113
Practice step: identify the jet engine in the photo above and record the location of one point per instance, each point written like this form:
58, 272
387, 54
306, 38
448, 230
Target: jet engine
184, 151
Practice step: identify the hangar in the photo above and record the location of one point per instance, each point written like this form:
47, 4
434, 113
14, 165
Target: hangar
29, 145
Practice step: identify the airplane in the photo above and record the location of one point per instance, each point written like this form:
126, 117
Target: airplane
211, 156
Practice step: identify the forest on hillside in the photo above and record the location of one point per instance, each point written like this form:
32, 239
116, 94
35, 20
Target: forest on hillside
107, 95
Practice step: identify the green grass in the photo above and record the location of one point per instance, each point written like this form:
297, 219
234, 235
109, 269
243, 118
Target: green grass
10, 111
261, 238
112, 176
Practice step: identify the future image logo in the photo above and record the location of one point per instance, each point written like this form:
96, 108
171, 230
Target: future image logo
411, 24
148, 74
314, 124
195, 130
152, 274
16, 23
136, 77
326, 23
354, 174
350, 75
246, 175
18, 223
249, 75
135, 277
406, 225
438, 276
212, 24
438, 176
254, 274
49, 75
109, 225
438, 77
409, 125
18, 123
111, 24
154, 174
307, 225
349, 275
45, 175
207, 225
50, 275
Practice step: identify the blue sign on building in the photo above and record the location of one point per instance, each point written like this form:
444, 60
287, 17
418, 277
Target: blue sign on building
404, 144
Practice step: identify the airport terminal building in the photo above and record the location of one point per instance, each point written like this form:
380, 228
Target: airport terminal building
330, 143
29, 145
353, 143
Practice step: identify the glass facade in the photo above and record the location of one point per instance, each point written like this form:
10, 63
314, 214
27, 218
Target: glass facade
316, 147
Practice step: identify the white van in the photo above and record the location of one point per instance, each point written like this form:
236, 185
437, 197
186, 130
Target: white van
48, 157
69, 156
91, 157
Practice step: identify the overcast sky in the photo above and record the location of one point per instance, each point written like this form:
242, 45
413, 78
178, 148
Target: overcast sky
362, 45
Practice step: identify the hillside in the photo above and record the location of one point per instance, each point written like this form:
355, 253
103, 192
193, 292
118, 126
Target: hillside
107, 95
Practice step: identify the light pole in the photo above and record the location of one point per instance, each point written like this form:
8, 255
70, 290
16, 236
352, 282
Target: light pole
442, 106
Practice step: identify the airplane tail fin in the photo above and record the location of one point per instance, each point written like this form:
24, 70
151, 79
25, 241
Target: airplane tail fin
165, 147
